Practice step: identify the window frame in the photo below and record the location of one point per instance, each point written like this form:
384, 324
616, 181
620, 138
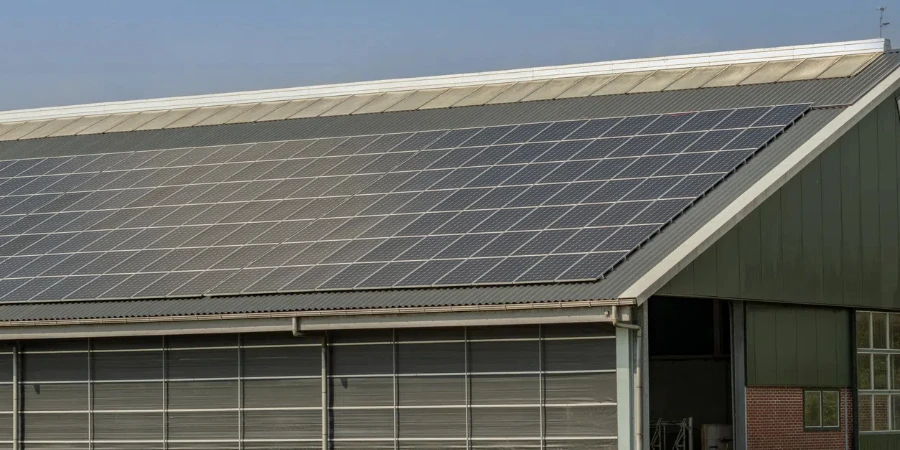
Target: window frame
821, 393
869, 355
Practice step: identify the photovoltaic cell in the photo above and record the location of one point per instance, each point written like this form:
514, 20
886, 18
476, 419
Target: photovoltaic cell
544, 242
467, 245
454, 138
469, 271
519, 203
594, 128
586, 268
781, 115
390, 274
523, 133
549, 268
742, 118
705, 120
630, 126
526, 153
667, 123
351, 275
487, 136
508, 269
559, 130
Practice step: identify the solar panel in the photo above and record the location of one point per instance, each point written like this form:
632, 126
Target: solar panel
518, 203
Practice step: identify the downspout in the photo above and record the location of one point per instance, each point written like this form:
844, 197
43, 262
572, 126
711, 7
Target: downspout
15, 397
295, 330
325, 444
638, 414
295, 327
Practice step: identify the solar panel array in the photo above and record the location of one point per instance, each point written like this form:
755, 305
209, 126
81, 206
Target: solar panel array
526, 203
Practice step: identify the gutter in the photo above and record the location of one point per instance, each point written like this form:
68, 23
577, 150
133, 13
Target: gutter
327, 313
299, 323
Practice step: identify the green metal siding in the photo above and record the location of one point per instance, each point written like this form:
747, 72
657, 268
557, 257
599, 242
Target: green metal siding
879, 442
830, 235
797, 346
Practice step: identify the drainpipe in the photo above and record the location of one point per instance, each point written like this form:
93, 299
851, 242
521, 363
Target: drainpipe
15, 397
295, 327
638, 414
325, 444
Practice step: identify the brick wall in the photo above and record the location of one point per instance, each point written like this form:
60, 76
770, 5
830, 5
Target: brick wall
775, 421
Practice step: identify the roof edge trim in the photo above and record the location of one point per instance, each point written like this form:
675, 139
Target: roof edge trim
655, 278
532, 313
457, 80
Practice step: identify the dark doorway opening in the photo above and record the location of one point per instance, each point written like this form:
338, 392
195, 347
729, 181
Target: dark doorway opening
690, 369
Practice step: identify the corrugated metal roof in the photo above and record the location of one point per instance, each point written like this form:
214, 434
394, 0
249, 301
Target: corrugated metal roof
839, 91
641, 78
609, 288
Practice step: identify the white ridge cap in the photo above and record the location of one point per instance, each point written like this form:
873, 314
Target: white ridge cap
447, 81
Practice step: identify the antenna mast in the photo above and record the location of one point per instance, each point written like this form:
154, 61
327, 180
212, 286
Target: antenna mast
881, 23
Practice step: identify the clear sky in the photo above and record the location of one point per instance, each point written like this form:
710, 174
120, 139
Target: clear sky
68, 52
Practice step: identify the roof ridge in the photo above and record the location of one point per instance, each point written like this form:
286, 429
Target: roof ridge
686, 61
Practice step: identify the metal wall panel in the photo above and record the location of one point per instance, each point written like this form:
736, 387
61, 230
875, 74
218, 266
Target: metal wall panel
405, 389
798, 346
829, 236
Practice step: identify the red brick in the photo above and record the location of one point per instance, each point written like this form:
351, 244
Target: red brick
775, 421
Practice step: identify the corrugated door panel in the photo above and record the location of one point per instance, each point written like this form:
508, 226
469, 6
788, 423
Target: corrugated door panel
580, 388
574, 421
281, 361
581, 444
297, 424
361, 391
499, 356
54, 397
431, 390
431, 358
586, 354
432, 423
206, 394
362, 423
205, 425
55, 366
129, 446
294, 393
506, 422
138, 365
361, 359
66, 427
202, 363
129, 426
128, 396
506, 389
443, 445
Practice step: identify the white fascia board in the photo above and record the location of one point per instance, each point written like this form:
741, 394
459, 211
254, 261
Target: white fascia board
733, 213
458, 80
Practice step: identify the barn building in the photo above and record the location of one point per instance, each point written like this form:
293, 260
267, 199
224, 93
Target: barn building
592, 256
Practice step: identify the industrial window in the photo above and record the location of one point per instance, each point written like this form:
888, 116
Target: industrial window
821, 409
878, 371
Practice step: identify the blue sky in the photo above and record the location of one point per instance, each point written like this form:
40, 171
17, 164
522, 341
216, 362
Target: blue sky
67, 52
